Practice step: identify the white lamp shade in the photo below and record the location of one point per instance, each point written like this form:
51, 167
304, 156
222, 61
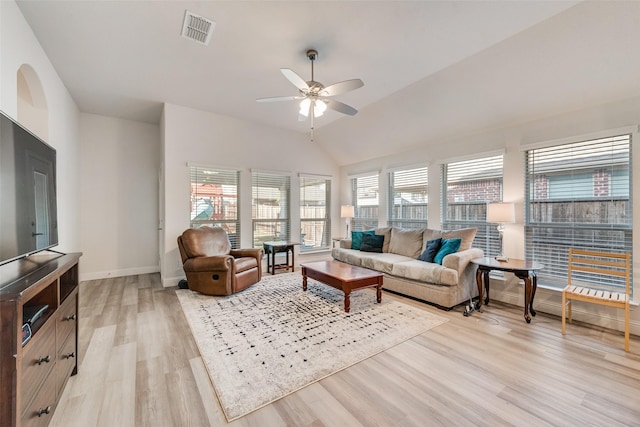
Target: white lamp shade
501, 212
347, 211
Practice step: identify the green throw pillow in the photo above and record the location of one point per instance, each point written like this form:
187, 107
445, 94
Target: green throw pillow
449, 246
371, 243
356, 238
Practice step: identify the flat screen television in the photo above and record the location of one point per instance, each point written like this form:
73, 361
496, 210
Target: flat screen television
28, 209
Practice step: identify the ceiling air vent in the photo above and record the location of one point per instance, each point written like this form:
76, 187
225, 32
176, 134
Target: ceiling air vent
197, 28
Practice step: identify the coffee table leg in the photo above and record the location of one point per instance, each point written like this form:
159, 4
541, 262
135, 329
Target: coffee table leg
347, 302
304, 279
379, 293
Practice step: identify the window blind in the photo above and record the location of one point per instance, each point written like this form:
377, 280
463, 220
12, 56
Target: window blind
214, 200
467, 188
365, 201
577, 195
408, 198
315, 221
270, 205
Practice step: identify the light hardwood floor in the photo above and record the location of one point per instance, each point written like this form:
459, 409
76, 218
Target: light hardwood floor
139, 366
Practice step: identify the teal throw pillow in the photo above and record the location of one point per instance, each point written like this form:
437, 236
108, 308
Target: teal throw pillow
430, 250
371, 243
449, 246
356, 238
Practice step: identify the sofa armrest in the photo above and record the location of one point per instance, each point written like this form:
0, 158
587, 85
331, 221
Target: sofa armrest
345, 244
209, 263
256, 253
460, 260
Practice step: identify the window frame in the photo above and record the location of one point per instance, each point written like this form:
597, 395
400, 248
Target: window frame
200, 175
487, 236
280, 226
406, 175
315, 220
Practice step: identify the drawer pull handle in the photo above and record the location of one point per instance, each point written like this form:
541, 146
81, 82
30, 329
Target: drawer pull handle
69, 356
72, 317
44, 411
42, 360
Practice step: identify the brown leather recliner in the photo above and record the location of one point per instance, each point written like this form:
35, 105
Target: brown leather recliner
212, 267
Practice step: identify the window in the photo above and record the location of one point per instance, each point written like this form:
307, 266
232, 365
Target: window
408, 198
214, 200
270, 207
467, 188
365, 196
315, 222
577, 195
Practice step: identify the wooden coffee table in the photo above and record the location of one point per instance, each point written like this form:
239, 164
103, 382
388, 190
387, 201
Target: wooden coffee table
342, 276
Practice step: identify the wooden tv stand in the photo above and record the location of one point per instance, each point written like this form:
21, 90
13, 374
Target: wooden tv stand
33, 375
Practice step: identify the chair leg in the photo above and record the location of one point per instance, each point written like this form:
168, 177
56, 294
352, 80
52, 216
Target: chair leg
627, 315
564, 308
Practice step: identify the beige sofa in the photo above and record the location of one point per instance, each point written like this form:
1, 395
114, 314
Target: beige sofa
444, 285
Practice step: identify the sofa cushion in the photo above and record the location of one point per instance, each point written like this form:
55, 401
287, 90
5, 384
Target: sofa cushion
381, 262
386, 232
449, 246
372, 243
430, 250
425, 272
350, 256
406, 242
466, 234
356, 238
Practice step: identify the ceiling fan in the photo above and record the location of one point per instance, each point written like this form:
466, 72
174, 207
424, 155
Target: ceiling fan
314, 96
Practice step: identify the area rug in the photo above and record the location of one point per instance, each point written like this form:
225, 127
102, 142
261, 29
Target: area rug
273, 338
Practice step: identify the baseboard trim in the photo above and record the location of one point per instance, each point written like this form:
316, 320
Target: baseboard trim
167, 282
119, 273
550, 301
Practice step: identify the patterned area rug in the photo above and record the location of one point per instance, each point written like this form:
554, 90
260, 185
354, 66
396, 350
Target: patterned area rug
273, 338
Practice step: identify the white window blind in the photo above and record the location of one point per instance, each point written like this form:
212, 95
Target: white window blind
408, 198
315, 221
467, 188
270, 207
577, 195
365, 202
214, 200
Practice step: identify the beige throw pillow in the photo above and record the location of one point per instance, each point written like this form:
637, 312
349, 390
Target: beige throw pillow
406, 242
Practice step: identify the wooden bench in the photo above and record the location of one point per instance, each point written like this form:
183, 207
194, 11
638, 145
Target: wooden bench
598, 268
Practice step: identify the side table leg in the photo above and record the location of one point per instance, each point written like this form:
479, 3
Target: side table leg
487, 283
480, 287
527, 298
534, 282
293, 260
273, 261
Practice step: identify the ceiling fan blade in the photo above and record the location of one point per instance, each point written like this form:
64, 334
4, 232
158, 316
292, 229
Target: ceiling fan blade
341, 87
295, 79
341, 107
279, 98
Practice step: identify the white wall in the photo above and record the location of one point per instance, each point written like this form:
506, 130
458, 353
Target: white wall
615, 115
18, 46
119, 196
216, 140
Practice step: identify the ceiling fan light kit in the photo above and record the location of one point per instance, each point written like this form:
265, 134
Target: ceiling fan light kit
314, 95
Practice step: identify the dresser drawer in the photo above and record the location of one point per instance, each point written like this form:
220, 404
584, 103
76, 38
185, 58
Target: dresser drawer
39, 412
66, 318
38, 359
67, 357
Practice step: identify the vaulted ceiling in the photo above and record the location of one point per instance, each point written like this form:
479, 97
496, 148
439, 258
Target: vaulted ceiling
431, 69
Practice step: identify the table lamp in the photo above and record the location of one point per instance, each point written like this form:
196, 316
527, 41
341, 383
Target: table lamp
347, 212
501, 213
